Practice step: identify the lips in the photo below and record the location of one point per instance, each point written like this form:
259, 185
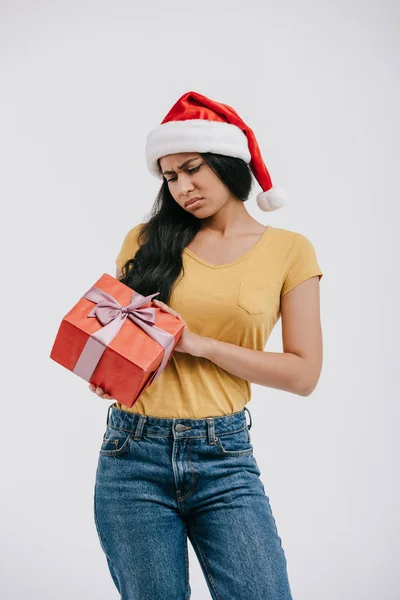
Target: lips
191, 201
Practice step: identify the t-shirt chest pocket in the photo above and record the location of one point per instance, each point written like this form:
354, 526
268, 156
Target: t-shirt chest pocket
252, 297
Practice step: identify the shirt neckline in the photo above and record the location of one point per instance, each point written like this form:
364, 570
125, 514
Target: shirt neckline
234, 262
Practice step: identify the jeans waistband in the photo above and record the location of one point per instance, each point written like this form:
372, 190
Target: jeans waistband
176, 427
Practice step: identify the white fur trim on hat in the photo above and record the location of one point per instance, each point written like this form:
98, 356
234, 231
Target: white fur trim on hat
195, 135
272, 199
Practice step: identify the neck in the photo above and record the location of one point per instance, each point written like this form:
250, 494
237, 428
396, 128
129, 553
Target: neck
231, 219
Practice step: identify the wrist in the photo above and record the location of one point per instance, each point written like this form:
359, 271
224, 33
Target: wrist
205, 347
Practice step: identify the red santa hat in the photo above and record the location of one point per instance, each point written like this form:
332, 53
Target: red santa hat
197, 124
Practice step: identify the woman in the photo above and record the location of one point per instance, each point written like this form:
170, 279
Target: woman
179, 463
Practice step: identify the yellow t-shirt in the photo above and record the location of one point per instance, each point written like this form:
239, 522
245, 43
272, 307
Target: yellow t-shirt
239, 303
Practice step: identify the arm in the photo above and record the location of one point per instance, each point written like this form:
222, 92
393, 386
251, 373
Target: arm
298, 368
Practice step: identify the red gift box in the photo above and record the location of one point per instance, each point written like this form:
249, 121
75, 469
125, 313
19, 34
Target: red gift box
114, 338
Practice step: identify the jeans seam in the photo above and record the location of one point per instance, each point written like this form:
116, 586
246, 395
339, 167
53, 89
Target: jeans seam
102, 541
193, 472
187, 563
205, 564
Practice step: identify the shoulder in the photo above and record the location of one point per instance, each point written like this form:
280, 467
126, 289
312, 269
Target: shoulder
288, 234
298, 258
289, 241
130, 245
134, 231
131, 237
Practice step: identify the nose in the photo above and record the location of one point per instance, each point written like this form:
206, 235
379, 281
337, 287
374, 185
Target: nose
185, 184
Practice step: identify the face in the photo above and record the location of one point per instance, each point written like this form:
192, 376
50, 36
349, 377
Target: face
189, 177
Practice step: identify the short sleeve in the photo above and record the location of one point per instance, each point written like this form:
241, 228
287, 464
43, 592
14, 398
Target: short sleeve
302, 264
129, 246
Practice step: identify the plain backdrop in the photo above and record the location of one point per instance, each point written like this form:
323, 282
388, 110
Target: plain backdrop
82, 83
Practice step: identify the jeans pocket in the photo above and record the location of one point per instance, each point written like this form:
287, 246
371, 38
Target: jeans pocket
115, 441
234, 443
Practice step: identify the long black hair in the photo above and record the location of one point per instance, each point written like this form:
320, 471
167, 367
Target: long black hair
161, 240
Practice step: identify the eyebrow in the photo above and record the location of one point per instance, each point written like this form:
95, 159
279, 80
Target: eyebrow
180, 166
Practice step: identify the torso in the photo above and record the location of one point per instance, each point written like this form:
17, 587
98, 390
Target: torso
220, 252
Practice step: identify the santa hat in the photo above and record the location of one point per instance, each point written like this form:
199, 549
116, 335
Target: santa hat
197, 124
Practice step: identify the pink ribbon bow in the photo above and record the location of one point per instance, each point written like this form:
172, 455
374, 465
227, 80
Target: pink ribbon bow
112, 315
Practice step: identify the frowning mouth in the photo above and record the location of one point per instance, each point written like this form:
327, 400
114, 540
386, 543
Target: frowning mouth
192, 201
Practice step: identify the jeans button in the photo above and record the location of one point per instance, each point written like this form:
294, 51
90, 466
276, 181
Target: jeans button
180, 427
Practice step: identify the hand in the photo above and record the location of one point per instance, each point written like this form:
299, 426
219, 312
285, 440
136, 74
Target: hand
100, 392
189, 342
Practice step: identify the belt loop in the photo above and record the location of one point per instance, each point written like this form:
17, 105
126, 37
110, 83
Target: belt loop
249, 426
139, 427
108, 413
211, 430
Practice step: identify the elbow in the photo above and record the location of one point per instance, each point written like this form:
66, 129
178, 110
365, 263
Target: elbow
306, 379
305, 392
306, 388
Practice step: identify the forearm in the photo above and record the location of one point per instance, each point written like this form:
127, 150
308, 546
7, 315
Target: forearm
279, 370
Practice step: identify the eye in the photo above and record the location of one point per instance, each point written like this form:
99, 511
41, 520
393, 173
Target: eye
189, 170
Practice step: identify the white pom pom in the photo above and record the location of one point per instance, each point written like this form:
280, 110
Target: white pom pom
273, 199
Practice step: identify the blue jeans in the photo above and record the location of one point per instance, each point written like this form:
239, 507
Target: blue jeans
162, 480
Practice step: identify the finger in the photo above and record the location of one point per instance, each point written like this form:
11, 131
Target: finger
92, 387
99, 391
167, 308
162, 305
107, 397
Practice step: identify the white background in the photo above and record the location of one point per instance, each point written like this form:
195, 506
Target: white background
82, 83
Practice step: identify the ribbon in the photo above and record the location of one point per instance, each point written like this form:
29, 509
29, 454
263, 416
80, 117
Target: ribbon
112, 315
